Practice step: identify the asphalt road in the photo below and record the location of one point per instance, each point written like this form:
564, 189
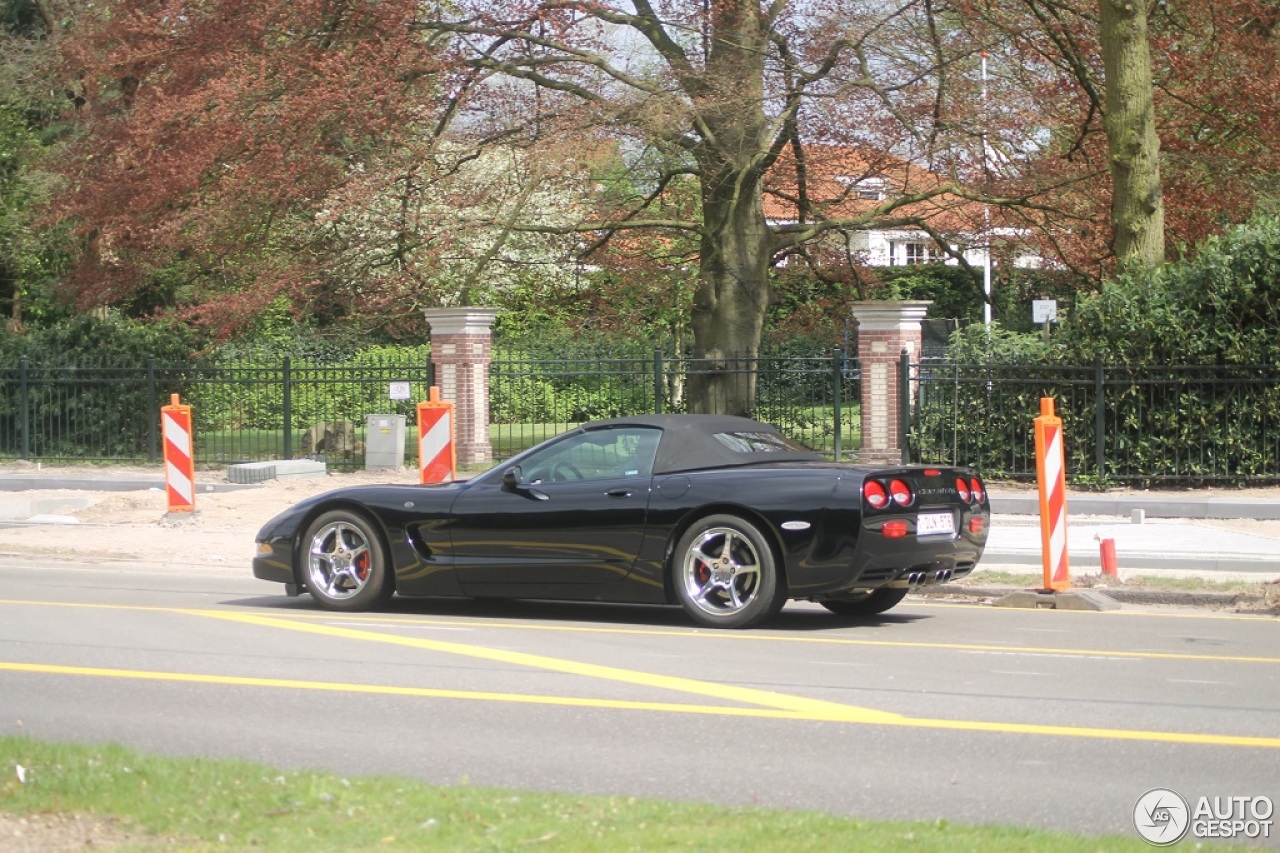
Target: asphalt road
936, 710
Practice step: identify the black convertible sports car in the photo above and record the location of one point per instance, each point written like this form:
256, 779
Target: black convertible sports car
724, 515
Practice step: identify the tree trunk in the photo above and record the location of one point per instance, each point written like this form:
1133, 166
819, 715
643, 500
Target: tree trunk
732, 296
1137, 204
733, 285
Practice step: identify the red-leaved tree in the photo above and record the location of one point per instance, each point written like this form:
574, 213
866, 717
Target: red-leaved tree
213, 137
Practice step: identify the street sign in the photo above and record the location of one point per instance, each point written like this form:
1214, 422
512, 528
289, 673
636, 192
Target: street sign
1044, 311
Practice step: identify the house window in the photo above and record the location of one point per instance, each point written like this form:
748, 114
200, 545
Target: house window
920, 253
867, 189
870, 189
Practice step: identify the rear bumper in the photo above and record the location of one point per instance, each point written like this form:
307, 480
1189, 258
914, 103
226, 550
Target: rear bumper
875, 560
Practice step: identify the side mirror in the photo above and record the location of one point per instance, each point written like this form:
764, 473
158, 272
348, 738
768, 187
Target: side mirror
511, 479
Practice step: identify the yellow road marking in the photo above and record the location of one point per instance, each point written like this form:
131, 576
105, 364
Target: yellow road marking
772, 705
726, 692
825, 712
394, 690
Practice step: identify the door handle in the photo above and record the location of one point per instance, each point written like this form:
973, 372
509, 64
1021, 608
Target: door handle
619, 493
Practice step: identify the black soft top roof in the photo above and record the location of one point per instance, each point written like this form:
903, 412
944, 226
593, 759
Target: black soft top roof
690, 442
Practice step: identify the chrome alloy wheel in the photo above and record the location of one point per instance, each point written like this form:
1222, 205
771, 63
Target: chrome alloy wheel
339, 560
721, 571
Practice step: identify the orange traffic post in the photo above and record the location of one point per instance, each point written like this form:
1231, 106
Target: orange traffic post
437, 459
1107, 554
1051, 474
179, 456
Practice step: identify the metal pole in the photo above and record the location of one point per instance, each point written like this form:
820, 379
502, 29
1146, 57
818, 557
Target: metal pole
837, 379
287, 413
904, 404
657, 381
153, 406
986, 209
1099, 420
24, 404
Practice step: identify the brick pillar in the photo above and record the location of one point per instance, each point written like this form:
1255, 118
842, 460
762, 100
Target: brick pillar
885, 329
461, 348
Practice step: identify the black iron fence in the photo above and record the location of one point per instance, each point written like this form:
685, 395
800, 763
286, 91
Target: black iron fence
250, 412
241, 412
813, 397
1122, 424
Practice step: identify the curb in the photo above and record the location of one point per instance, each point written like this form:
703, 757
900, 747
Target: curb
1154, 507
9, 483
1182, 598
1089, 561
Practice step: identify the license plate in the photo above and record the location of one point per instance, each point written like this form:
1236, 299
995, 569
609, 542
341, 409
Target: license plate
935, 524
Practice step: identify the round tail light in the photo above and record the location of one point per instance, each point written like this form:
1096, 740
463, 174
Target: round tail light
975, 486
874, 494
962, 489
901, 493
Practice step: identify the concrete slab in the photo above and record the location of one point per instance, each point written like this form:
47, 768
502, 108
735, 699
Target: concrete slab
1073, 599
277, 469
24, 508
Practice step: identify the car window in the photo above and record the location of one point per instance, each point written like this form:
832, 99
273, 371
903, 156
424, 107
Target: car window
595, 455
758, 442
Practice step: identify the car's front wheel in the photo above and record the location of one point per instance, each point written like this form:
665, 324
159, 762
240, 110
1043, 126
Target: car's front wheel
345, 566
869, 604
726, 575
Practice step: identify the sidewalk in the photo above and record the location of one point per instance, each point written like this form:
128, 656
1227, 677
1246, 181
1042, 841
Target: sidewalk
1158, 533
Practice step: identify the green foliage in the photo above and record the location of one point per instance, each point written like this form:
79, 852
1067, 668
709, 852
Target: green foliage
1187, 356
84, 389
277, 335
556, 381
89, 340
976, 343
322, 389
1221, 306
30, 258
650, 299
955, 292
808, 307
540, 308
524, 399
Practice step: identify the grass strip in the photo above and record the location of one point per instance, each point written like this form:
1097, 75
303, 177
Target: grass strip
197, 804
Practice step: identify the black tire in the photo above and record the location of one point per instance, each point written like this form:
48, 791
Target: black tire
877, 601
344, 564
725, 574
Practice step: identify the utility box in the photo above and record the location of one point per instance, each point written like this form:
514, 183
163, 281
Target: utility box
384, 442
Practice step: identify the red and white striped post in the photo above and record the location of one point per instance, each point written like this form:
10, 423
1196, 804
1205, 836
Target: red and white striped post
179, 456
437, 458
1051, 474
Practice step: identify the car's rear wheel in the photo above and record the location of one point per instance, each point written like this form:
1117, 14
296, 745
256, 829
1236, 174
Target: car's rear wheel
345, 566
726, 575
869, 604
